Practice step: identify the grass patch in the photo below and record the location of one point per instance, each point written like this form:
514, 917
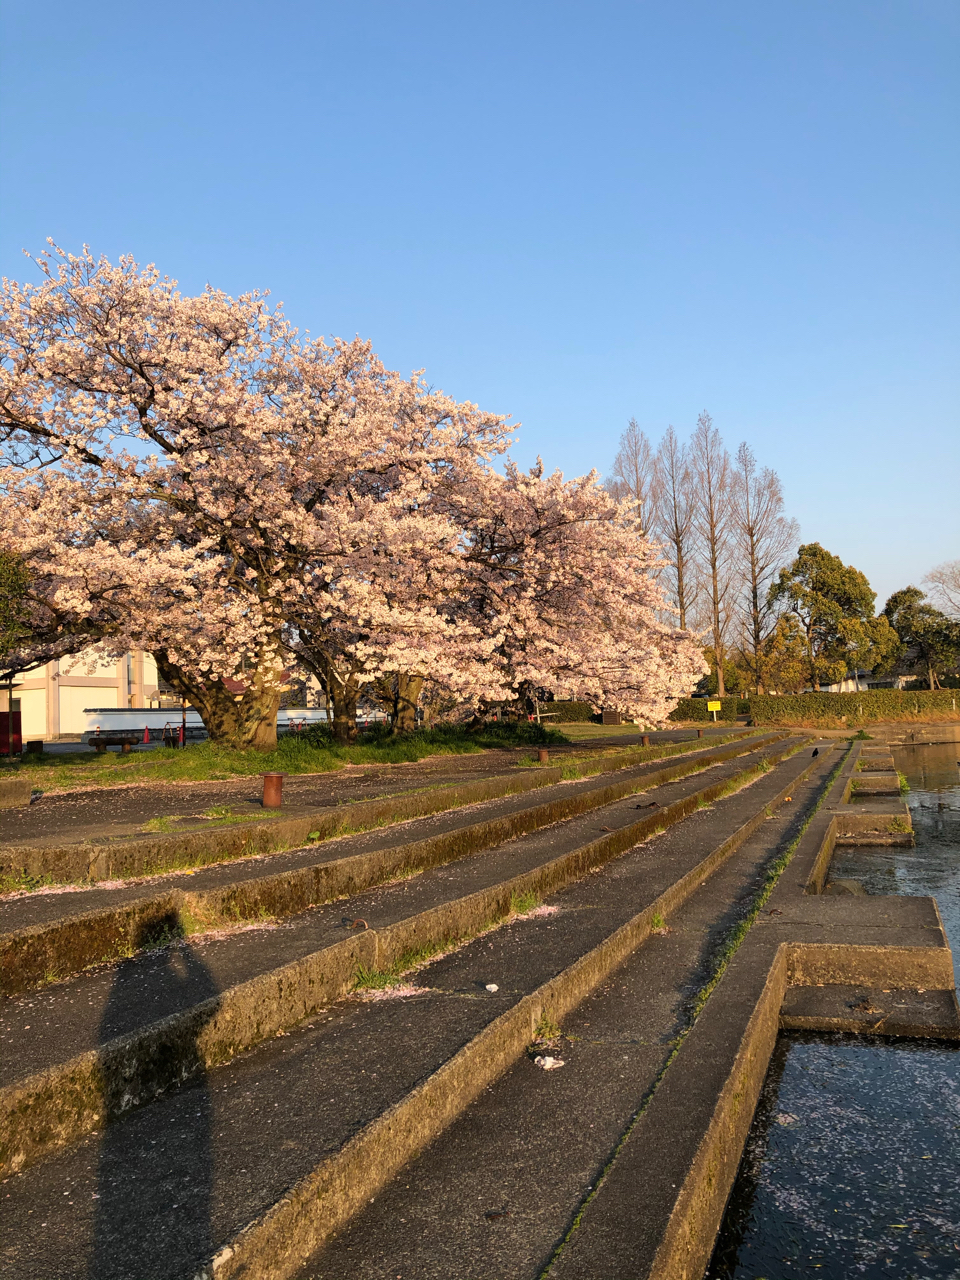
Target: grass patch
377, 979
898, 825
22, 882
313, 751
521, 903
904, 784
158, 824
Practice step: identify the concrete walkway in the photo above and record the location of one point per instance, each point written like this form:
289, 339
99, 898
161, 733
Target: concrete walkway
173, 1182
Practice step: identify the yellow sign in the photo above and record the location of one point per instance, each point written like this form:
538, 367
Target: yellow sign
714, 706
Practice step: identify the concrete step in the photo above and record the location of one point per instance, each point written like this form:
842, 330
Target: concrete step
659, 1201
497, 1193
79, 851
47, 936
104, 1041
247, 1169
876, 784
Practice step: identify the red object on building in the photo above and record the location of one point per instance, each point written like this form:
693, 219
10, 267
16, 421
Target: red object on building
146, 733
6, 746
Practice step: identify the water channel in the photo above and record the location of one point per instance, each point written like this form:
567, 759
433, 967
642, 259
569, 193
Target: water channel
852, 1166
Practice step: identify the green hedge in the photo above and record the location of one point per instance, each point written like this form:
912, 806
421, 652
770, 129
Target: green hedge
567, 712
854, 708
696, 709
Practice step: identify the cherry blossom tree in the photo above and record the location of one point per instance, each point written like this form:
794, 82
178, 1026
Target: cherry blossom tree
191, 476
561, 577
282, 473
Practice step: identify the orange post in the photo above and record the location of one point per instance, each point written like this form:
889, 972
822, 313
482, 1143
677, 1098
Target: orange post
273, 790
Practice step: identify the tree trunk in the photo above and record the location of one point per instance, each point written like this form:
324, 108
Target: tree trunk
930, 677
406, 702
244, 721
345, 694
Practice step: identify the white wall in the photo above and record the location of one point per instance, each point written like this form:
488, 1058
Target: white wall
74, 703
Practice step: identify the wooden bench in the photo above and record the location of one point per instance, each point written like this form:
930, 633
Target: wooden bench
125, 741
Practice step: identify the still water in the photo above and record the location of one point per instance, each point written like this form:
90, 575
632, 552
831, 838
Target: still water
852, 1167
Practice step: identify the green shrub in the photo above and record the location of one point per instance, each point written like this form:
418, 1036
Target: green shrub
873, 705
569, 712
696, 709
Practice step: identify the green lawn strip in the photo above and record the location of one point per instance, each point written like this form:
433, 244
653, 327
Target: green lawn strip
201, 822
728, 949
295, 754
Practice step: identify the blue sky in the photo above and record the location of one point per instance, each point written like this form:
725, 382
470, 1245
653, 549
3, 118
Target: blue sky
571, 213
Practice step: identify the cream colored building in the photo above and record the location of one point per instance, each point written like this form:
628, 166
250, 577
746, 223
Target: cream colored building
53, 698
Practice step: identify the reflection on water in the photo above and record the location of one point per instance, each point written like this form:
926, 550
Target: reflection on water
852, 1168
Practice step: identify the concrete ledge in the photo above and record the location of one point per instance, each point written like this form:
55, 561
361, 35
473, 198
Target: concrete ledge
881, 822
15, 792
875, 784
58, 1106
42, 952
276, 1244
872, 1011
82, 863
681, 1157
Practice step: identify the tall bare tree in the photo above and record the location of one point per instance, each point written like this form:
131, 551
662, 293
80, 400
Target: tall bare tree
763, 540
633, 473
712, 522
944, 583
674, 513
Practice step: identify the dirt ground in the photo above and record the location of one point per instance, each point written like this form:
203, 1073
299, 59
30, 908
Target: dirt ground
97, 813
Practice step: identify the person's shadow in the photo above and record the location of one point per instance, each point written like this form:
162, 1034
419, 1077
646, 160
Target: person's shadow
155, 1166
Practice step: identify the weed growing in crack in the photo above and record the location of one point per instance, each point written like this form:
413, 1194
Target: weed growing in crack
547, 1034
23, 882
158, 825
522, 903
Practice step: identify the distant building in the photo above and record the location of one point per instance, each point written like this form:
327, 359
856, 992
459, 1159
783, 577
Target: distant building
52, 700
861, 681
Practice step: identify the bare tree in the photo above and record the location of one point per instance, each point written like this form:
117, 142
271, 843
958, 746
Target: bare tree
944, 584
712, 522
633, 475
674, 511
763, 540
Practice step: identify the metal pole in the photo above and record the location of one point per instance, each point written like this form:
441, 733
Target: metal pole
183, 722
